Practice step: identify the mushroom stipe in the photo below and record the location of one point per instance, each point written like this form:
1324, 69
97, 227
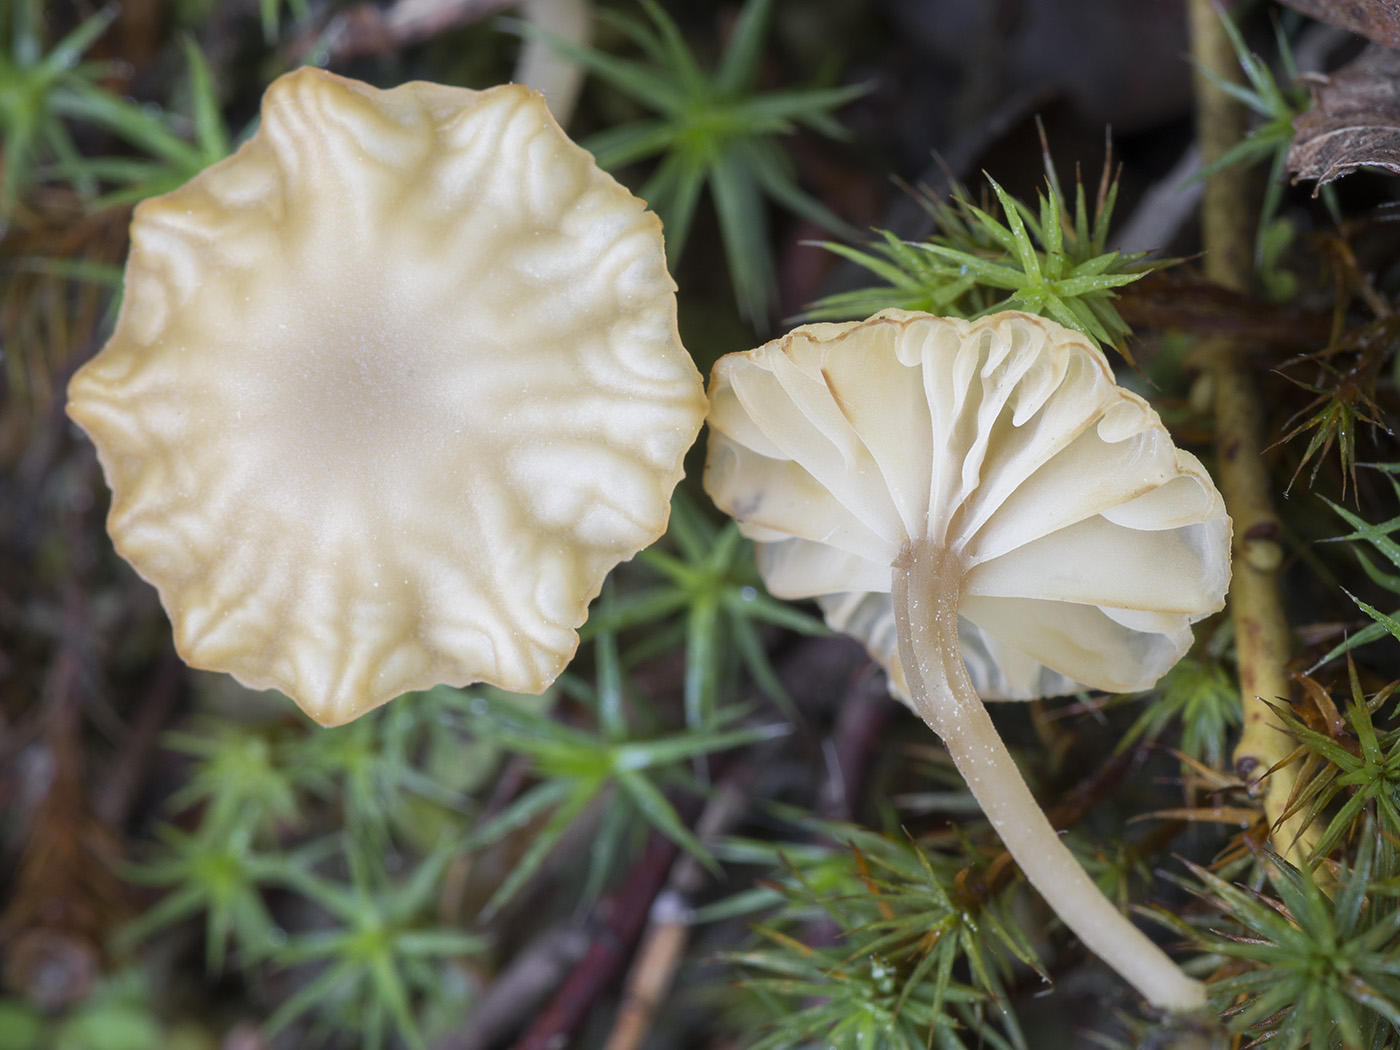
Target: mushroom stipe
926, 587
986, 509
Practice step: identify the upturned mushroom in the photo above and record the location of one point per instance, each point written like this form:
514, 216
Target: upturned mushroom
391, 390
985, 508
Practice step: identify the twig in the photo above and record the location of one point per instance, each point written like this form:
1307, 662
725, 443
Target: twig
542, 65
668, 931
365, 30
370, 30
1166, 207
1202, 308
521, 987
66, 896
123, 783
1256, 605
627, 912
865, 710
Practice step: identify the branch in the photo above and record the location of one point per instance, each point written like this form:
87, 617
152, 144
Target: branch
1262, 637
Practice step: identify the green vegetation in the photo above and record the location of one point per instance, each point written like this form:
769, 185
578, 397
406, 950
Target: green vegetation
187, 858
1051, 262
715, 129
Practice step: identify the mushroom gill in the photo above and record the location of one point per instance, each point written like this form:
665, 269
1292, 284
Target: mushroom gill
987, 510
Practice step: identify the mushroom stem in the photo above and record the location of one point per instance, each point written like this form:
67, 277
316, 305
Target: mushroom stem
927, 588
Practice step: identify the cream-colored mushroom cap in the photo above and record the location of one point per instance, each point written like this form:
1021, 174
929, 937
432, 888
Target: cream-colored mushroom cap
391, 390
990, 512
1090, 542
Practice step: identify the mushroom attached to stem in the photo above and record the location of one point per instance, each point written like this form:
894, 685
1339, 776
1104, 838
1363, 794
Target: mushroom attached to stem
392, 389
987, 510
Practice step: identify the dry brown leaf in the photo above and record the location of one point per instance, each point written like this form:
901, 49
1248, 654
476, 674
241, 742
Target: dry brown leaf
1354, 122
1377, 20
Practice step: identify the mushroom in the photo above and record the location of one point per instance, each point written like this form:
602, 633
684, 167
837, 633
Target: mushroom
391, 390
985, 508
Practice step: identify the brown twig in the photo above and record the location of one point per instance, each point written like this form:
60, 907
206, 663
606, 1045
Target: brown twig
367, 30
517, 992
1256, 604
123, 782
1186, 303
627, 911
865, 711
668, 930
65, 896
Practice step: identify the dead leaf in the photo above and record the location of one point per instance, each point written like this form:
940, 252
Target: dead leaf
1355, 119
1377, 20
